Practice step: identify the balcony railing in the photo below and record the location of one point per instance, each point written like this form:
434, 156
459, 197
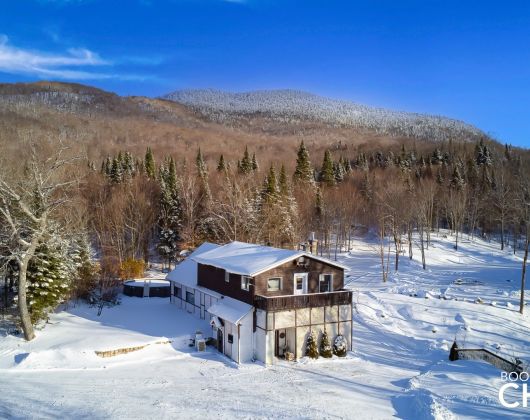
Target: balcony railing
311, 300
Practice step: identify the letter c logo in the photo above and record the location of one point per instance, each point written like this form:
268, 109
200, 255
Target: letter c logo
501, 395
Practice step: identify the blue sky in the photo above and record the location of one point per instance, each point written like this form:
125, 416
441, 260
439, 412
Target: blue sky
464, 59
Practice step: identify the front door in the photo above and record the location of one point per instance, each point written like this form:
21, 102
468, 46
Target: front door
300, 283
281, 342
219, 340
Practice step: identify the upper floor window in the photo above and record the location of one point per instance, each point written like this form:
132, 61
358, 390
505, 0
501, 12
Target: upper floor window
190, 298
274, 284
325, 283
245, 283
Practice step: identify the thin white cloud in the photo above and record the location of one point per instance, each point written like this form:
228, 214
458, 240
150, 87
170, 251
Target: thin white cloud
74, 64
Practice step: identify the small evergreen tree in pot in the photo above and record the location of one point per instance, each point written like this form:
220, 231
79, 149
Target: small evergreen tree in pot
325, 346
340, 347
311, 346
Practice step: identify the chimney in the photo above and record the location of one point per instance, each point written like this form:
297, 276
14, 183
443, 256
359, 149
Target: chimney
313, 244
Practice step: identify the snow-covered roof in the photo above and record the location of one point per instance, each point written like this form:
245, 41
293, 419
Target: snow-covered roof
186, 272
228, 309
251, 259
147, 281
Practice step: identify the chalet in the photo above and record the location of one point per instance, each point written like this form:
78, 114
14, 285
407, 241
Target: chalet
261, 301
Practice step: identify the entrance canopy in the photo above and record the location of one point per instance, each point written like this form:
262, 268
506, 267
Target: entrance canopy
230, 310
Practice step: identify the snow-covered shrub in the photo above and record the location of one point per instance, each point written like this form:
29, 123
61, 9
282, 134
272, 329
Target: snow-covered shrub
340, 346
311, 346
325, 346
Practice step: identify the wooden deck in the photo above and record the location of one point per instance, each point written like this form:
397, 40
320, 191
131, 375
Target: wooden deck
311, 300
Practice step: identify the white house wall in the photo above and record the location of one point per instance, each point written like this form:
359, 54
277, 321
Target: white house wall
260, 345
201, 300
246, 343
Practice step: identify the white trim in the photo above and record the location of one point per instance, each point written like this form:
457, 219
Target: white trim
305, 281
320, 277
279, 286
248, 280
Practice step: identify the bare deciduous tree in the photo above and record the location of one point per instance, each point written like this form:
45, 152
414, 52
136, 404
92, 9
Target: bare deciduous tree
29, 203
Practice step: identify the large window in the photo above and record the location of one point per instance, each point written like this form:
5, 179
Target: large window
274, 284
325, 283
190, 298
245, 283
178, 292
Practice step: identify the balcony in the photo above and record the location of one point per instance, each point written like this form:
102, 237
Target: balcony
311, 300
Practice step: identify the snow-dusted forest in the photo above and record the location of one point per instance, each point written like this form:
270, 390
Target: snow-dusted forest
288, 105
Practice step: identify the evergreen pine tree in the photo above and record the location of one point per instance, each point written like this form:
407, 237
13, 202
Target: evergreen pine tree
457, 180
128, 165
347, 166
437, 157
303, 172
172, 177
338, 171
325, 346
327, 174
116, 175
50, 275
149, 164
221, 166
245, 165
107, 166
270, 187
283, 184
254, 164
311, 346
483, 154
200, 164
170, 215
86, 273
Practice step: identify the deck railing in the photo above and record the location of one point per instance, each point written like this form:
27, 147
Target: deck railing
310, 300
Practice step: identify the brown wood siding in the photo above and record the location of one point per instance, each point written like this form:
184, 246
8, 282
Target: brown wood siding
288, 270
213, 278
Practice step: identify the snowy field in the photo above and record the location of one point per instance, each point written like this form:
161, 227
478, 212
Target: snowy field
399, 369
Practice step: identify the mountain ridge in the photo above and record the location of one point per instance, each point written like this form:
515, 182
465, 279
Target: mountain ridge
291, 104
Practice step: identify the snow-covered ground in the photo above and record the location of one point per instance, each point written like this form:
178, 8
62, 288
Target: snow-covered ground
399, 368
